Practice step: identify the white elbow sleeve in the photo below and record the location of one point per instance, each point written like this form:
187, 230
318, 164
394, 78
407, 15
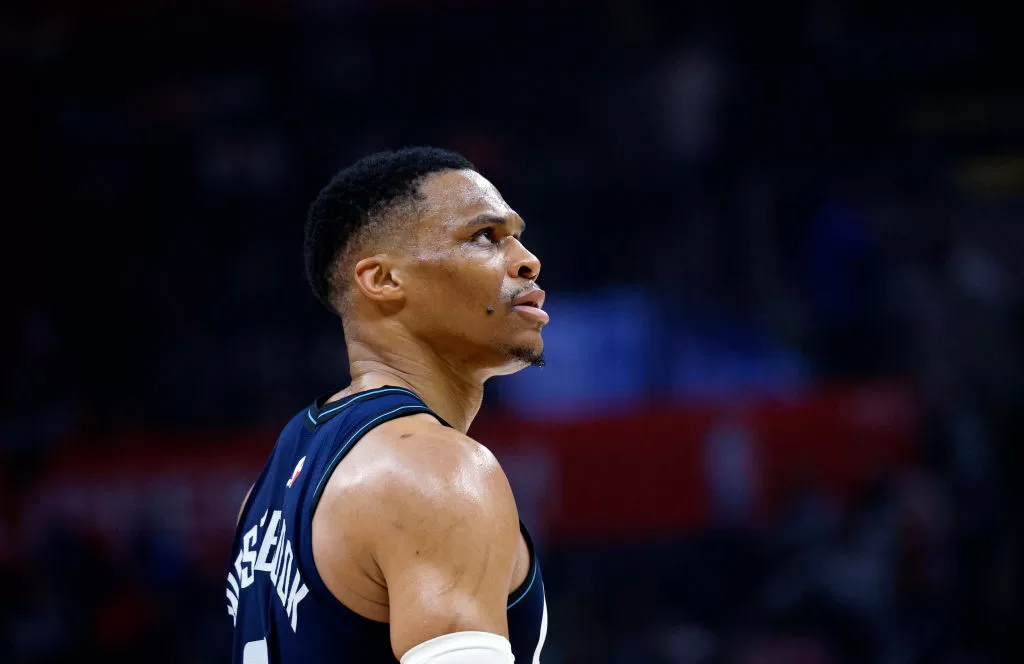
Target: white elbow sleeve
462, 648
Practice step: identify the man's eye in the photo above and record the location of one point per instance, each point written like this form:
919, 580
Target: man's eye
488, 234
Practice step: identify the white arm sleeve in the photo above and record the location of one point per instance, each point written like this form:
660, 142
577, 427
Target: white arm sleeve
462, 648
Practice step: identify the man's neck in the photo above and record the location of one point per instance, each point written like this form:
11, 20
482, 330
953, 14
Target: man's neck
454, 397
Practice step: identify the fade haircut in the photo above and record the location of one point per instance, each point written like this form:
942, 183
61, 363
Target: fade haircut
360, 200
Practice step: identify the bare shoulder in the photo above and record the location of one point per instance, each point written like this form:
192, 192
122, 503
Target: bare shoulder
418, 471
412, 488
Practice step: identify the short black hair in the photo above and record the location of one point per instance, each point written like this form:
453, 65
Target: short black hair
357, 196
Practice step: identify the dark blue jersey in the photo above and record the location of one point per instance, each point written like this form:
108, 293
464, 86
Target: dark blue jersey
282, 611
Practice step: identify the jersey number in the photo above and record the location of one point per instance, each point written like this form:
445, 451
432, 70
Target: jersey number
255, 652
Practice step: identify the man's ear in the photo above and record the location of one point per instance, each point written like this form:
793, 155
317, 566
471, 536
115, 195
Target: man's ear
375, 276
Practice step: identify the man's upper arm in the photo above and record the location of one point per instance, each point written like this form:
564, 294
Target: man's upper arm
447, 543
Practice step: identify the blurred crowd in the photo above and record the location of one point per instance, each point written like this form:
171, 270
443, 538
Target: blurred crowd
730, 202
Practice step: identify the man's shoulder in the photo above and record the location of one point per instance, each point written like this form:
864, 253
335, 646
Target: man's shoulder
416, 466
421, 443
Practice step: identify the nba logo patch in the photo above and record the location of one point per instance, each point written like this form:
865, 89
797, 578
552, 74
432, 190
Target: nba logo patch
295, 475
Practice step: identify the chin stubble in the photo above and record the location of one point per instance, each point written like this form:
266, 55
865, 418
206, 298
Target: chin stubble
527, 356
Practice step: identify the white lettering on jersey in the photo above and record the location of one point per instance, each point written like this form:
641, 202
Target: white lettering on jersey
280, 566
285, 575
275, 564
269, 540
294, 597
233, 598
246, 557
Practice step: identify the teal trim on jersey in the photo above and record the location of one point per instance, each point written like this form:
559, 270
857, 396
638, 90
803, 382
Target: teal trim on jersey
391, 414
533, 577
356, 398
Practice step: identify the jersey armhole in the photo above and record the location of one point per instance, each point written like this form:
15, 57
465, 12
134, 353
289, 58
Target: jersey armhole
531, 576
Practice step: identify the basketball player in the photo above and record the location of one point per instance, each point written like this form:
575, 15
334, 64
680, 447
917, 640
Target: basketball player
378, 530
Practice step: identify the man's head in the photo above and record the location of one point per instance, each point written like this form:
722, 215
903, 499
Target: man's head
417, 242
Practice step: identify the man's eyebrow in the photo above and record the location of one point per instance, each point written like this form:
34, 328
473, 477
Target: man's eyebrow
487, 219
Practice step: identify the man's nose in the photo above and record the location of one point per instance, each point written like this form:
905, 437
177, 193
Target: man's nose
525, 265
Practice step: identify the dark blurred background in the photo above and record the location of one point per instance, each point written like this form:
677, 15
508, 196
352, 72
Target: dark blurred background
782, 244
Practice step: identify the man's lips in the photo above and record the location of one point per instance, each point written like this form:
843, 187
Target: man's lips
534, 313
531, 298
529, 305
